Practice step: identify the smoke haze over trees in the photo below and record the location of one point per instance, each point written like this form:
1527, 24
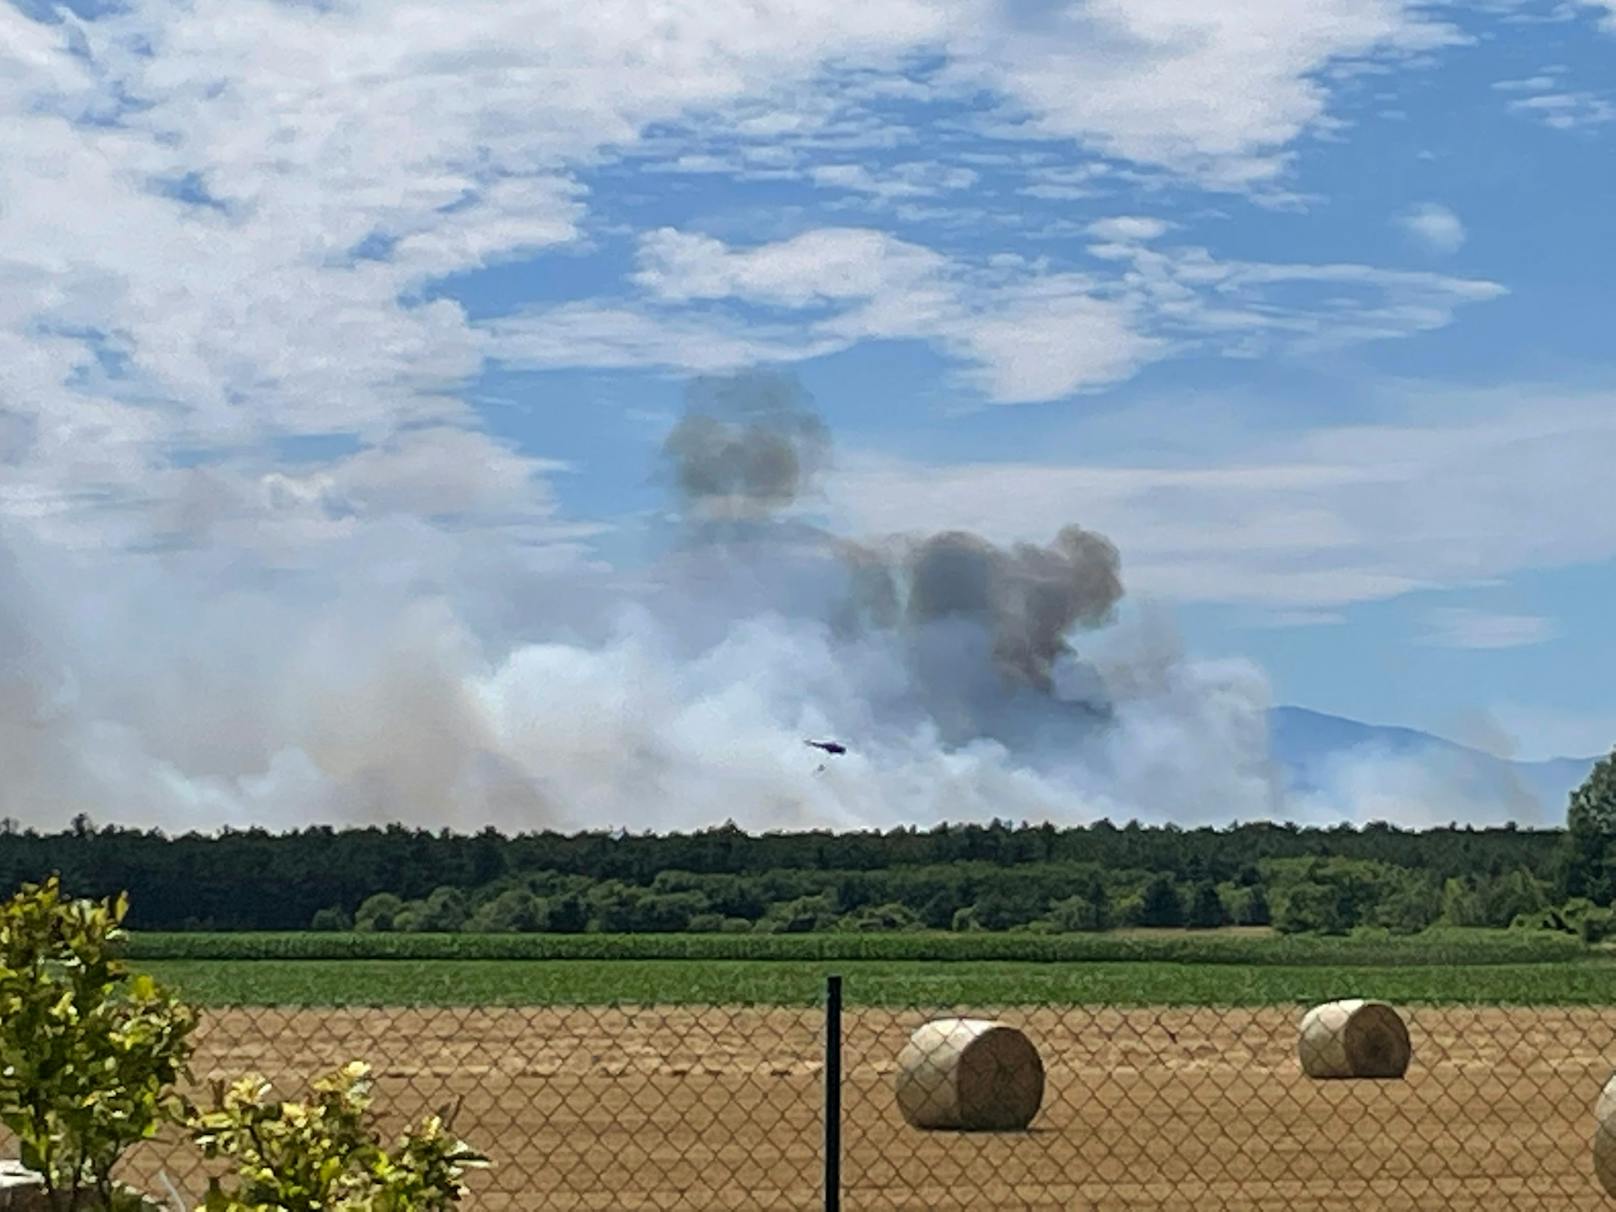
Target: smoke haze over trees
385, 674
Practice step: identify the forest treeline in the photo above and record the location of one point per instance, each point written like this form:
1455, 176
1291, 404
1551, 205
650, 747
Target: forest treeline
999, 876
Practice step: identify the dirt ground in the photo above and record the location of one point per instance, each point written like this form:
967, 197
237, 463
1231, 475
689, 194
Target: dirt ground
1181, 1109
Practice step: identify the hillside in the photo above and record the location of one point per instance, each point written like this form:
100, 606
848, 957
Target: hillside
1314, 749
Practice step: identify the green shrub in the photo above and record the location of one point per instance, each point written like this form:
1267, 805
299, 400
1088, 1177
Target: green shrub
444, 912
379, 914
890, 918
332, 920
514, 911
1543, 919
1311, 907
89, 1054
325, 1155
1074, 914
804, 915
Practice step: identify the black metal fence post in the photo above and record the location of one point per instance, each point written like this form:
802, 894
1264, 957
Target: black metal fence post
833, 1093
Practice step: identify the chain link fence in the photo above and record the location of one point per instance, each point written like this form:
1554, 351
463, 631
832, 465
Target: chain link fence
701, 1109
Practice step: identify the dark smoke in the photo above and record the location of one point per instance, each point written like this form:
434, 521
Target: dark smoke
751, 445
747, 447
1028, 598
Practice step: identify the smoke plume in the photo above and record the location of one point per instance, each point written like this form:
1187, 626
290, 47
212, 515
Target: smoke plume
1029, 598
746, 447
304, 649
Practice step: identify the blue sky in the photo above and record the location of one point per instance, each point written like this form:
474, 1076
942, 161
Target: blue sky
329, 316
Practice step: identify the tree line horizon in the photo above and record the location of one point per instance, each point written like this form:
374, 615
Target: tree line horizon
997, 876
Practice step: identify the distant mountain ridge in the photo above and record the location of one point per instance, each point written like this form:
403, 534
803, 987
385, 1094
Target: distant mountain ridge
1315, 749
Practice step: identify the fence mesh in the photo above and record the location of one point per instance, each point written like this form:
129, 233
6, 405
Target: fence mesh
722, 1108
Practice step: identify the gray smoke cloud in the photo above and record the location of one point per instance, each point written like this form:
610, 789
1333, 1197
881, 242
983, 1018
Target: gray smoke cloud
747, 447
1028, 597
315, 652
981, 633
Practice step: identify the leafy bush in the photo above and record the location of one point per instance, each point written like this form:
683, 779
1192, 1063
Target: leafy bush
444, 912
890, 918
514, 911
1597, 924
89, 1053
1074, 914
1310, 907
1410, 908
804, 915
325, 1155
331, 920
379, 913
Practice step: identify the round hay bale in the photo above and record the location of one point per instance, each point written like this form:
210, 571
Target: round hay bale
969, 1075
1354, 1038
1605, 1137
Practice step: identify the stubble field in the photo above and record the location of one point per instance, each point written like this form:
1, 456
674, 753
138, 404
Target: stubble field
720, 1108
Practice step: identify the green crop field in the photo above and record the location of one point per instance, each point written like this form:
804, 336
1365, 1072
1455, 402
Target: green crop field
868, 982
919, 970
1236, 947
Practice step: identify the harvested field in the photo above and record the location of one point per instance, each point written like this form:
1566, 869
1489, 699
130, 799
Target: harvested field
1184, 1108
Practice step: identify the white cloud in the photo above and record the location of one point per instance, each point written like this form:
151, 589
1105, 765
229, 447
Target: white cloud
907, 180
1213, 91
203, 227
1530, 84
1045, 343
1024, 331
1434, 226
1566, 110
1470, 489
1546, 98
606, 337
1608, 7
242, 152
1215, 94
1128, 227
823, 264
1464, 627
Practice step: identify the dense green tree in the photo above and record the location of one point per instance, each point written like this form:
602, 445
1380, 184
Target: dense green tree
1462, 904
1074, 914
1205, 907
379, 913
1590, 834
566, 913
1006, 875
1410, 907
1159, 902
1244, 904
1312, 907
444, 912
1507, 897
514, 911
